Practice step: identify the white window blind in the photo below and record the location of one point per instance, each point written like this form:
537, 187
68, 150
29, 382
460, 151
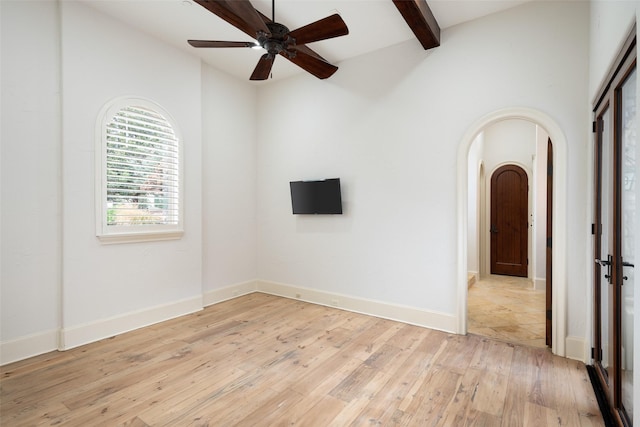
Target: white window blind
140, 172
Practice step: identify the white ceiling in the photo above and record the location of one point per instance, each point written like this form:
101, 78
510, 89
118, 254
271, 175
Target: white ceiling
373, 24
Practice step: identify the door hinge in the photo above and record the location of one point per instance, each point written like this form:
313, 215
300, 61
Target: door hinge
548, 314
593, 229
549, 243
596, 354
594, 127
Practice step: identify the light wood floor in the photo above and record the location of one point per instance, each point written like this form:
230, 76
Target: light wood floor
261, 360
507, 308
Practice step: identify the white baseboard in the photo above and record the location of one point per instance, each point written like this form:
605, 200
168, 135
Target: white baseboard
84, 334
406, 314
473, 277
29, 346
223, 294
576, 348
540, 284
33, 345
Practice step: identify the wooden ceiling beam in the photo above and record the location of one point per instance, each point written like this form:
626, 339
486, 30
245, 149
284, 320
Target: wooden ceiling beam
418, 16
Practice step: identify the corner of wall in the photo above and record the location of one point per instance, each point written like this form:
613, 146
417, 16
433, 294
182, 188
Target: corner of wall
229, 292
540, 284
576, 348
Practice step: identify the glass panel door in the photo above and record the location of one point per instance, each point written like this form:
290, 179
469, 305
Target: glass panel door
615, 213
605, 185
628, 210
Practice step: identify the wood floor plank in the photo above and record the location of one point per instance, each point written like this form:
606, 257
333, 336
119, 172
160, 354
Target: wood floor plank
273, 409
521, 384
263, 360
398, 376
327, 375
429, 404
541, 416
572, 373
312, 411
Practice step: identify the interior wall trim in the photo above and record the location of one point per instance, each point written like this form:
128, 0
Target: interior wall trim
577, 349
28, 346
401, 313
76, 336
23, 348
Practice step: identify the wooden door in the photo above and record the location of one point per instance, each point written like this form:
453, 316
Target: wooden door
549, 249
509, 225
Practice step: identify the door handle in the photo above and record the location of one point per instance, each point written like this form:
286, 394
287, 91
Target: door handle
493, 229
607, 264
626, 264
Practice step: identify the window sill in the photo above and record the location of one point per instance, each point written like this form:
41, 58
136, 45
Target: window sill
133, 237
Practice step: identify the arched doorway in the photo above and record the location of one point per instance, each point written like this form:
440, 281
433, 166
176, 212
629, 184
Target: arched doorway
558, 216
506, 301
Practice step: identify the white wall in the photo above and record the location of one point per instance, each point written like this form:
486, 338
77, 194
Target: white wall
103, 284
610, 23
392, 133
509, 141
229, 182
90, 290
30, 152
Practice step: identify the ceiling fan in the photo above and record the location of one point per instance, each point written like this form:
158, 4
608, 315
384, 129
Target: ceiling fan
275, 38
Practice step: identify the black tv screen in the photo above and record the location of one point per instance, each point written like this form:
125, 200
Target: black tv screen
316, 197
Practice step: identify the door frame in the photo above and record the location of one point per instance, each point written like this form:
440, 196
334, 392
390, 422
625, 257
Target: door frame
559, 250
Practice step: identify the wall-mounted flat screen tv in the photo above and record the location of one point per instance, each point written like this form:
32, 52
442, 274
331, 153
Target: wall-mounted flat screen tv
316, 197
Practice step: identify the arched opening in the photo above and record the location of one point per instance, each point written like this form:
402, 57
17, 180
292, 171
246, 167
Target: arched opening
558, 216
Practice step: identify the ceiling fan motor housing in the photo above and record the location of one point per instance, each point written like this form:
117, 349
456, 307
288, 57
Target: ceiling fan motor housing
279, 40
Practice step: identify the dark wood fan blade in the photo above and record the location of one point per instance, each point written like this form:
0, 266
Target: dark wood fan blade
327, 28
263, 69
311, 62
245, 10
215, 43
224, 10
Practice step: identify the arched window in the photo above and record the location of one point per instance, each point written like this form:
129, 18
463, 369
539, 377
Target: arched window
139, 177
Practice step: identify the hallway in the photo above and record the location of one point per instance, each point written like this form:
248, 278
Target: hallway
507, 308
